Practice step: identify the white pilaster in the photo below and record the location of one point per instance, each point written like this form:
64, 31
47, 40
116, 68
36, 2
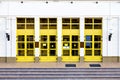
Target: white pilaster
37, 29
13, 36
81, 34
8, 30
105, 36
59, 33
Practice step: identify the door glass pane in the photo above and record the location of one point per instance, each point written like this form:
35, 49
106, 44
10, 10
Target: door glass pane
97, 38
52, 38
30, 38
74, 52
30, 52
97, 52
88, 38
66, 52
97, 45
74, 45
88, 45
52, 45
21, 38
21, 45
74, 38
43, 38
88, 52
52, 52
30, 45
43, 45
43, 52
66, 38
66, 45
21, 53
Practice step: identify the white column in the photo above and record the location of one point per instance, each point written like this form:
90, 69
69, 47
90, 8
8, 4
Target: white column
37, 29
59, 33
82, 35
13, 36
105, 36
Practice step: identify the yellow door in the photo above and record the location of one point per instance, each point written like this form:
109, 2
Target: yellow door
70, 41
93, 39
25, 40
48, 39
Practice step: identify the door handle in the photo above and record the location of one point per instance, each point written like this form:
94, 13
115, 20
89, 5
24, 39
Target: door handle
8, 36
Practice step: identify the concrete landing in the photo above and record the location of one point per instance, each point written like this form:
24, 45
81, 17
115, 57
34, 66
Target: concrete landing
58, 65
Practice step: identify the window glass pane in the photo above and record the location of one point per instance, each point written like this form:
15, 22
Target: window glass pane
52, 53
30, 52
30, 38
30, 20
43, 20
43, 38
21, 53
30, 45
43, 26
20, 20
53, 26
97, 26
66, 26
43, 45
30, 26
88, 26
20, 26
74, 52
66, 38
74, 38
52, 45
43, 52
88, 45
53, 20
88, 20
98, 20
21, 38
97, 38
88, 38
75, 26
97, 52
97, 45
66, 20
75, 20
66, 52
74, 45
52, 38
21, 45
88, 52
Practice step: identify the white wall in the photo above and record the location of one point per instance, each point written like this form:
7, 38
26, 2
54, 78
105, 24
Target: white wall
3, 37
